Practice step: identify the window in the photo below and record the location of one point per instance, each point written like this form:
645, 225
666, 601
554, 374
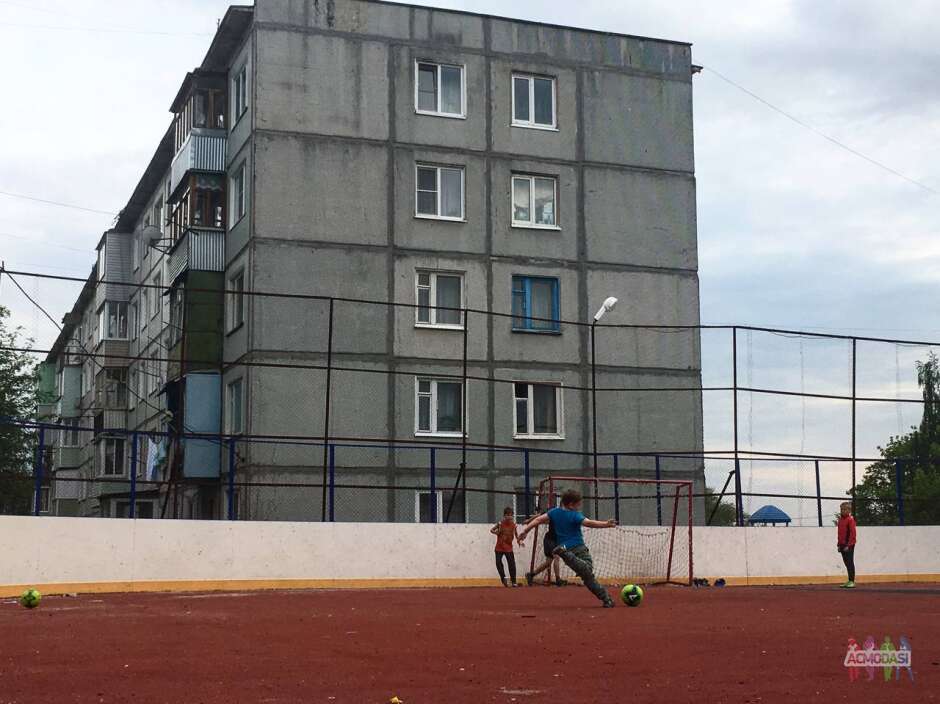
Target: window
43, 499
158, 219
135, 247
439, 89
439, 192
535, 304
533, 201
113, 389
533, 101
112, 457
236, 301
155, 373
70, 435
112, 321
442, 503
132, 387
176, 316
239, 202
438, 407
144, 509
240, 92
234, 402
157, 284
436, 293
142, 312
102, 258
537, 411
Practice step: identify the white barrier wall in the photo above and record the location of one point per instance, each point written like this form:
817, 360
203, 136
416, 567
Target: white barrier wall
89, 554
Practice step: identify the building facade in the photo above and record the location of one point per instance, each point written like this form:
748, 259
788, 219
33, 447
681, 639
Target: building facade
376, 152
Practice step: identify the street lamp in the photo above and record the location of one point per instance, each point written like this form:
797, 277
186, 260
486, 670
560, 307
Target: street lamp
606, 307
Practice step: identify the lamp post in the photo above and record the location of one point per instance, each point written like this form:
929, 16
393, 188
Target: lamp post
607, 306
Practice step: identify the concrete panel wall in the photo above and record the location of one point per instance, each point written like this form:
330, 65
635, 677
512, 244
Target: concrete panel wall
313, 189
553, 144
101, 554
526, 242
638, 121
326, 85
468, 132
299, 325
640, 218
440, 235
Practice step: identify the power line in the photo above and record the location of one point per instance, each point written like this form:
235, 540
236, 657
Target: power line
58, 203
822, 134
45, 243
105, 30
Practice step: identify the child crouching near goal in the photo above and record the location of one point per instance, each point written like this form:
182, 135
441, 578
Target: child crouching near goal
567, 522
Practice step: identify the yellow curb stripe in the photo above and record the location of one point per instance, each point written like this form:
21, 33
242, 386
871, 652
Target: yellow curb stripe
237, 585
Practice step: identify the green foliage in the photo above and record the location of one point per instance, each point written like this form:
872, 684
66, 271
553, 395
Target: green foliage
724, 516
18, 392
919, 453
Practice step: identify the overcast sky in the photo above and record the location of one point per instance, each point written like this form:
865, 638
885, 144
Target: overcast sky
793, 231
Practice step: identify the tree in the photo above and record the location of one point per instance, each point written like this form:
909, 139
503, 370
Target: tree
18, 396
914, 458
724, 515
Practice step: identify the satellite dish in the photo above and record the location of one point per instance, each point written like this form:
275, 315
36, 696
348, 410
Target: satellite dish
152, 235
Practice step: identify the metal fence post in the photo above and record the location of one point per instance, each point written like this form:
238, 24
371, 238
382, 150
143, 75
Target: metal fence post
432, 498
231, 479
38, 467
617, 488
818, 495
659, 495
326, 406
738, 503
526, 482
899, 490
132, 509
332, 482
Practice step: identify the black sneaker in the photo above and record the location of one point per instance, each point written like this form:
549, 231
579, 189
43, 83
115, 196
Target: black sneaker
609, 604
561, 583
529, 578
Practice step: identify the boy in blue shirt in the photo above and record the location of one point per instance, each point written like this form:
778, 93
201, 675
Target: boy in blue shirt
567, 522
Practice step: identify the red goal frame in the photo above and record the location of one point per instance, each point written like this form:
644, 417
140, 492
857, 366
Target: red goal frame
548, 496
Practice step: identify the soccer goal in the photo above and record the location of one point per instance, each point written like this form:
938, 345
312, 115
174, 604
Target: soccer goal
653, 541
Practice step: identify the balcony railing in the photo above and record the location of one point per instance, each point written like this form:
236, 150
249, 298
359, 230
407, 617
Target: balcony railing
203, 150
199, 249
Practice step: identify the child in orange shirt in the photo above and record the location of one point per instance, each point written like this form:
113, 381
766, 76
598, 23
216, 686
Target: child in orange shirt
505, 531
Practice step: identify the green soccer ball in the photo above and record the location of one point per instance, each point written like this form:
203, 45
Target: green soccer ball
632, 595
30, 598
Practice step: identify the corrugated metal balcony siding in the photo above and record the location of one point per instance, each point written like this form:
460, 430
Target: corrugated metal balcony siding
203, 150
198, 250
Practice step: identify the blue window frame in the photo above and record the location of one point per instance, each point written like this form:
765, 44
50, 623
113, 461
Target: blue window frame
535, 304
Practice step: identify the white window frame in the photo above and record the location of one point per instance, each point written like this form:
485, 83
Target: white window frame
531, 224
462, 115
439, 496
432, 298
530, 433
103, 319
434, 432
229, 398
236, 302
239, 195
530, 123
239, 93
103, 449
463, 192
102, 260
70, 428
157, 285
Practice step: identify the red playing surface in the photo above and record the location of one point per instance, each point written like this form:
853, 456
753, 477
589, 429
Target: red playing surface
466, 645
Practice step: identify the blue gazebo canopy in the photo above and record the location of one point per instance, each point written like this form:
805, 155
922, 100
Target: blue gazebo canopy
769, 514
